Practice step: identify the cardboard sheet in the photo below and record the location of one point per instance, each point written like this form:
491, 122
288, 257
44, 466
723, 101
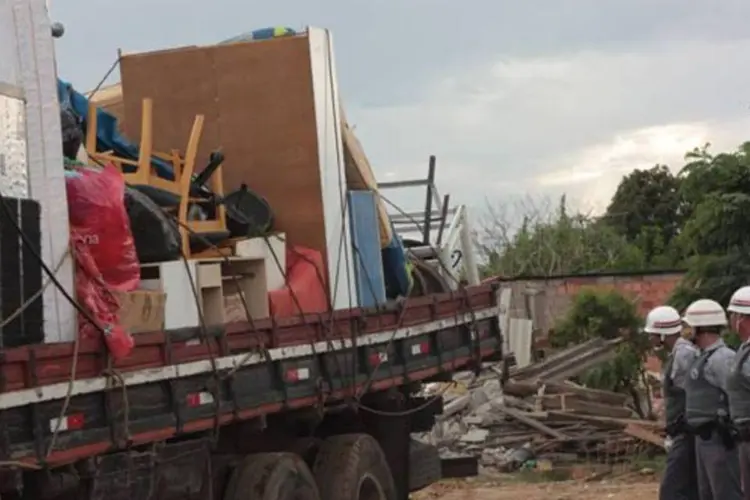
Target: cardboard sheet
142, 311
359, 176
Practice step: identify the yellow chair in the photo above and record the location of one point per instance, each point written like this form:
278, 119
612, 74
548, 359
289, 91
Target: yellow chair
173, 195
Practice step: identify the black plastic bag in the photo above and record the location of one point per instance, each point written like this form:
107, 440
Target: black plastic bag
156, 234
248, 213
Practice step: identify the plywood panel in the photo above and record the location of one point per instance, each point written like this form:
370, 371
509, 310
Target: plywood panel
181, 83
258, 101
267, 126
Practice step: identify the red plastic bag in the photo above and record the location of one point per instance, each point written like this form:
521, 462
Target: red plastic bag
305, 288
96, 209
94, 297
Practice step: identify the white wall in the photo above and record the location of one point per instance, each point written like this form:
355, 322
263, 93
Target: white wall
332, 173
27, 60
14, 180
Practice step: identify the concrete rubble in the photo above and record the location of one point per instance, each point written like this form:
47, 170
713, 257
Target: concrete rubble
537, 416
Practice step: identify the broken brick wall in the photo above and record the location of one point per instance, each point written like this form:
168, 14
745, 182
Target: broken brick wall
545, 300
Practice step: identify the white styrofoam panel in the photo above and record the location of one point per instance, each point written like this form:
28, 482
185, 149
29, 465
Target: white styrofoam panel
14, 180
333, 177
520, 339
13, 174
504, 297
36, 62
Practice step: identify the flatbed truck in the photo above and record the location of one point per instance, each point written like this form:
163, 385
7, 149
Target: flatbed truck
316, 407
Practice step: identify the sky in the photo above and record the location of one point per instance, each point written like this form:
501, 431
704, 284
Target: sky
515, 99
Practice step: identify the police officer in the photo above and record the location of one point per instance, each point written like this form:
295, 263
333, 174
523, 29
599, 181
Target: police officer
679, 481
706, 405
738, 381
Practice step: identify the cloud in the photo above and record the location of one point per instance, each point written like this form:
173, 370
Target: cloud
512, 97
573, 122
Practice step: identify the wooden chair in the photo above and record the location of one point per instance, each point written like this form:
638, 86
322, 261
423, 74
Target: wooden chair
188, 228
140, 172
173, 195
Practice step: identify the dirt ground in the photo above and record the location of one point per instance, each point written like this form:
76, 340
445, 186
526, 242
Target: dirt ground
568, 490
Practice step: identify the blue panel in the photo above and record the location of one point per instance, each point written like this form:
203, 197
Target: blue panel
368, 265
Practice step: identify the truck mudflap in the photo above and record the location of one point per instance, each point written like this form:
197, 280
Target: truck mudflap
424, 465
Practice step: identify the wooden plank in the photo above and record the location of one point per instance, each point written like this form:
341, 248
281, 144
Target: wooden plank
530, 422
596, 395
569, 402
525, 388
580, 363
531, 371
642, 434
359, 175
606, 421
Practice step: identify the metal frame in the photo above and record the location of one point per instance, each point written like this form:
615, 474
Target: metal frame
452, 224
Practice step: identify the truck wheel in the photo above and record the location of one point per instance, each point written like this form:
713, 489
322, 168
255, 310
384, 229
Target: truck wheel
353, 467
272, 476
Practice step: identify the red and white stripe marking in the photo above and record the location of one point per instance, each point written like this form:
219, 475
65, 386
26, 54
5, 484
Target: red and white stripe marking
68, 423
378, 358
59, 390
297, 374
196, 399
421, 348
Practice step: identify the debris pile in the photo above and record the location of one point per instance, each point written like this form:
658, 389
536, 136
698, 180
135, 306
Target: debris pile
539, 416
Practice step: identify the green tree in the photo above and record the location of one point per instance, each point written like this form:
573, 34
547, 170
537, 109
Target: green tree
554, 242
607, 315
647, 209
715, 240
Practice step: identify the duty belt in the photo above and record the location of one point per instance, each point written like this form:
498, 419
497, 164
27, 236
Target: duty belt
677, 428
726, 431
742, 431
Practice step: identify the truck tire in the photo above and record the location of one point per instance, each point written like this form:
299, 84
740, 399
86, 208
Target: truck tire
272, 476
353, 467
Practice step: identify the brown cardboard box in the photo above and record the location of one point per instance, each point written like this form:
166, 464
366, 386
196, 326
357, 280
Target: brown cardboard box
142, 310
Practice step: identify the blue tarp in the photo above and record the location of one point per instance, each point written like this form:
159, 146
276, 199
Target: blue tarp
262, 34
396, 268
108, 138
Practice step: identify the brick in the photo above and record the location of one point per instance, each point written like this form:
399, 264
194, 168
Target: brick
555, 295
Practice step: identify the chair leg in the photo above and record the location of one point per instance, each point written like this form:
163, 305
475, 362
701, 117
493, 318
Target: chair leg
185, 181
147, 141
91, 124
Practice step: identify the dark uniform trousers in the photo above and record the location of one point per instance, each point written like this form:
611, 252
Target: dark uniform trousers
680, 480
744, 451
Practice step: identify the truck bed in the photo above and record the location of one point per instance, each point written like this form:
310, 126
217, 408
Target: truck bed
186, 381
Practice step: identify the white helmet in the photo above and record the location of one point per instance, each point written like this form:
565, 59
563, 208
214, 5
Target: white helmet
705, 312
740, 301
663, 320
